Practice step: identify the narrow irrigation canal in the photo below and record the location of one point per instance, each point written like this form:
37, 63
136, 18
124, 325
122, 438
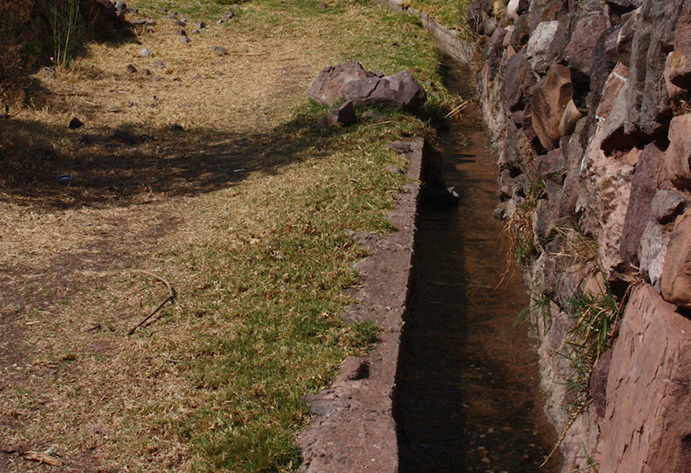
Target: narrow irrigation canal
468, 397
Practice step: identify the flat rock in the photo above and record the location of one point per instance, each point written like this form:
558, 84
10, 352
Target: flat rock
646, 425
145, 52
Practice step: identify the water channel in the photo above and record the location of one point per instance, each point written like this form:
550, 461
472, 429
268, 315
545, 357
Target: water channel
468, 396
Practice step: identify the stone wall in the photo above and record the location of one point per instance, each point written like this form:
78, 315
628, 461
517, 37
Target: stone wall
589, 100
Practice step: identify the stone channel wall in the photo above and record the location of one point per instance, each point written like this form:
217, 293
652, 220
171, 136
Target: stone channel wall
589, 102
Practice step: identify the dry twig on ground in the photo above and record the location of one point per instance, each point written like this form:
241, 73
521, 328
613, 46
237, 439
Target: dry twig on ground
171, 298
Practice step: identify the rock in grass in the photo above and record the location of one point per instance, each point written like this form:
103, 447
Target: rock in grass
158, 64
200, 25
181, 22
400, 90
350, 81
131, 69
327, 87
373, 115
145, 52
75, 123
226, 17
180, 32
343, 115
185, 40
219, 49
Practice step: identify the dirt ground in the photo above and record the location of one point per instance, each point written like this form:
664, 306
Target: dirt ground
67, 252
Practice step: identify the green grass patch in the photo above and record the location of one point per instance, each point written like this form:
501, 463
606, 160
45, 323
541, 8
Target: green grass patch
268, 278
450, 13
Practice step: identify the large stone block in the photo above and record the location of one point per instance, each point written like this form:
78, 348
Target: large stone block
604, 60
327, 87
520, 80
581, 48
611, 91
643, 188
676, 275
644, 111
540, 50
350, 81
651, 253
678, 156
400, 90
647, 427
552, 94
679, 62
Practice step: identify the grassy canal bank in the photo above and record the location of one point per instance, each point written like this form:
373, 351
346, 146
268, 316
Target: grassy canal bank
244, 208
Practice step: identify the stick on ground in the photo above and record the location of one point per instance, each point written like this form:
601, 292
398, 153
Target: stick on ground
171, 298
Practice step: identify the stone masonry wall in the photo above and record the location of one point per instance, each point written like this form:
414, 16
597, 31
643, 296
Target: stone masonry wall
590, 102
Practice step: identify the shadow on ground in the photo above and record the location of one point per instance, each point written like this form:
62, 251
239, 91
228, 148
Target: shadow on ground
113, 166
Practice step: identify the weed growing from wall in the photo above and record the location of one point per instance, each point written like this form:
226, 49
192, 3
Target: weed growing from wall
595, 319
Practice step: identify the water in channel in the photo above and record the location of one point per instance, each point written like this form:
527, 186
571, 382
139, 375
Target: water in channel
468, 397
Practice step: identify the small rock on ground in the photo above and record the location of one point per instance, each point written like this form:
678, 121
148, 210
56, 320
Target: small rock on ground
75, 123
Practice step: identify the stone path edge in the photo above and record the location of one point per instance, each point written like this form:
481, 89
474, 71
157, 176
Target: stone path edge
353, 428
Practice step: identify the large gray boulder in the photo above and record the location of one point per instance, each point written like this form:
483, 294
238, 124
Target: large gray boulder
400, 90
327, 87
350, 81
